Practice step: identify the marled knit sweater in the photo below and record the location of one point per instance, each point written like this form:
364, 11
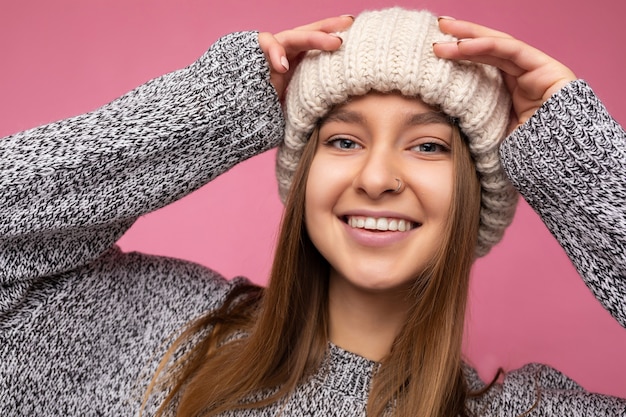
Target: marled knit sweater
83, 325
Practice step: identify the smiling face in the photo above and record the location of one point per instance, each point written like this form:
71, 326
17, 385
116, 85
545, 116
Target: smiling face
375, 236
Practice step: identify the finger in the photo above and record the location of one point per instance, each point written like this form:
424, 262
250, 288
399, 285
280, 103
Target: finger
507, 49
297, 41
463, 29
274, 52
278, 59
517, 58
451, 50
508, 54
329, 25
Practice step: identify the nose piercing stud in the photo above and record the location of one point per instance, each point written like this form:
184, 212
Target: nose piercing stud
399, 187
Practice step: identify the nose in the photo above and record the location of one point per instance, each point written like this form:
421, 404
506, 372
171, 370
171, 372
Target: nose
378, 174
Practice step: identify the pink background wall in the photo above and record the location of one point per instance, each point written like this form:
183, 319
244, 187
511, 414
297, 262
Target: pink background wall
65, 57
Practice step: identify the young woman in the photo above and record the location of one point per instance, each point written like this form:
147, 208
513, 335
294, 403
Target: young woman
358, 315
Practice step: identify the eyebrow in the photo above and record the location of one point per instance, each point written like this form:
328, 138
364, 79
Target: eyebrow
429, 117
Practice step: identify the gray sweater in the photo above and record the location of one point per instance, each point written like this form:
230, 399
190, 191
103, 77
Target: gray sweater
83, 325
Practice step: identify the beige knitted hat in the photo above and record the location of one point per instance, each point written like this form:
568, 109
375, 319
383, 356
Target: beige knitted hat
391, 50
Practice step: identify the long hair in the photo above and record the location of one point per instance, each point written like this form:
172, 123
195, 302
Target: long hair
422, 375
268, 340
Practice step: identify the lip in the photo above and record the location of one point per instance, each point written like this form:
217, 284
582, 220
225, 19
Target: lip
376, 214
368, 238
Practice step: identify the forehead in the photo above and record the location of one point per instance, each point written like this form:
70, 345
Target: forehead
394, 104
377, 96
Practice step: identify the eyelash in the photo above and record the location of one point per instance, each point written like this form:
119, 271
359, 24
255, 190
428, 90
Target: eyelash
440, 147
337, 142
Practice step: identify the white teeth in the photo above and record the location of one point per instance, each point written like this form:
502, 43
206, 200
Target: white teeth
380, 223
370, 223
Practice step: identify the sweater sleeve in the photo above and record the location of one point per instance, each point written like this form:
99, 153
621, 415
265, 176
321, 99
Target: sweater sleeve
569, 163
70, 189
539, 390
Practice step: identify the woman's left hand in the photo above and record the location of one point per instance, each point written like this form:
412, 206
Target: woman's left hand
530, 75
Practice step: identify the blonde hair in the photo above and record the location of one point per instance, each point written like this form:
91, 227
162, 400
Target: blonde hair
271, 339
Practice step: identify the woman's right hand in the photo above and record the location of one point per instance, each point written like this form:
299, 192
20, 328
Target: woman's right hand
284, 50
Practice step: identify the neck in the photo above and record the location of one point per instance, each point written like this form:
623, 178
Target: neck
365, 322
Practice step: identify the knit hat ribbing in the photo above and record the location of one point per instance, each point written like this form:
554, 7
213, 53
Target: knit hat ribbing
391, 50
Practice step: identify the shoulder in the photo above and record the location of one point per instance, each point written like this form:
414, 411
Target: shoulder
163, 279
141, 293
539, 390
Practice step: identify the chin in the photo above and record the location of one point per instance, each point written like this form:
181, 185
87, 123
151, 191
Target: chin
376, 284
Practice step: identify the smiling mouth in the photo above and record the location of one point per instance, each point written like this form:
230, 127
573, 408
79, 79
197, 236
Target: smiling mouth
382, 224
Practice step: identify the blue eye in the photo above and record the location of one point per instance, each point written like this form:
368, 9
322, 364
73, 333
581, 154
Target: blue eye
343, 143
430, 147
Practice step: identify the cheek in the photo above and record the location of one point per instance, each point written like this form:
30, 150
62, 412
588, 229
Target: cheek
316, 194
325, 184
447, 190
312, 183
435, 189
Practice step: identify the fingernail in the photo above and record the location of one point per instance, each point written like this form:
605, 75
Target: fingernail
347, 15
443, 42
284, 62
336, 36
445, 17
463, 40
